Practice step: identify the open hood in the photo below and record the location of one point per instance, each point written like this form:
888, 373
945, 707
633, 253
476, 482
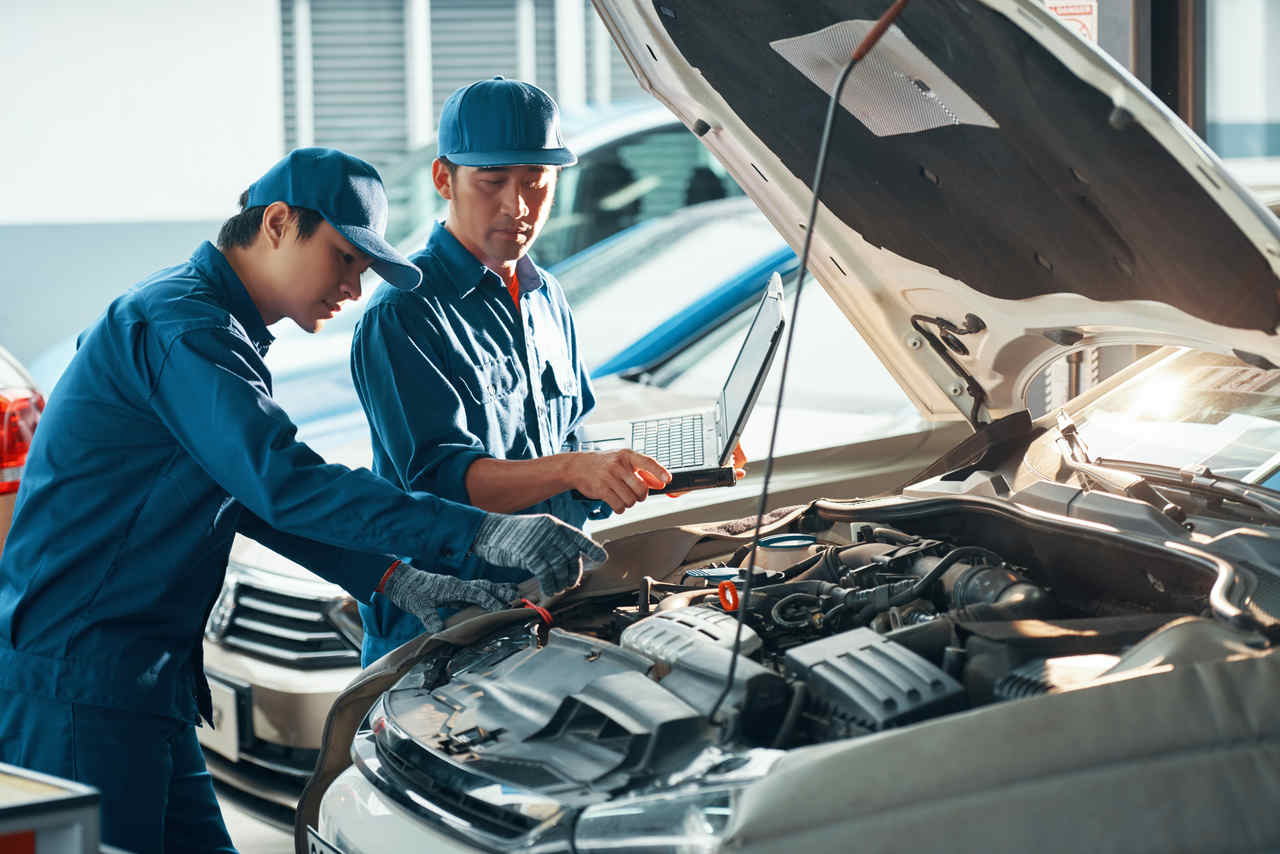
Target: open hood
988, 162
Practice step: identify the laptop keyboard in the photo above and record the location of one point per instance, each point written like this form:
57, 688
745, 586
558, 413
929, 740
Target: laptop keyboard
674, 442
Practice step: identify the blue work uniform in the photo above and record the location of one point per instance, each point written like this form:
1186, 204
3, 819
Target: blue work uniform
451, 372
159, 444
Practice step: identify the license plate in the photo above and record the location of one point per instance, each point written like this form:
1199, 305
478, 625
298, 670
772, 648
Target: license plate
224, 737
317, 845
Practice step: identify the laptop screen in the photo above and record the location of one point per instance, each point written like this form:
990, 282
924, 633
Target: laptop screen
747, 375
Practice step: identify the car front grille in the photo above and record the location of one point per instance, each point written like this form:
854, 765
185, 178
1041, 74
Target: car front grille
286, 629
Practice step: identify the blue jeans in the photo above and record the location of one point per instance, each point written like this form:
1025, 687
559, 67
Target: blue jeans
157, 795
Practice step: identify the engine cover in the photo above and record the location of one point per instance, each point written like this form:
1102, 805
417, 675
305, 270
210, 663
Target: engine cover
867, 680
667, 635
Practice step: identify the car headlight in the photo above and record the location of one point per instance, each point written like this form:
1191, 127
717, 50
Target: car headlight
689, 821
220, 616
344, 615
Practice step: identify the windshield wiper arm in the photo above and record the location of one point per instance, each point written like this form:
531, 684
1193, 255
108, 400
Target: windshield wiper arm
1111, 479
1201, 479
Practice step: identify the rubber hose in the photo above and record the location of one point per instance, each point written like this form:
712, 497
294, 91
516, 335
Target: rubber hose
790, 718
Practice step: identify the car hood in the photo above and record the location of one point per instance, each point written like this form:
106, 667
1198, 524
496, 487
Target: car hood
986, 161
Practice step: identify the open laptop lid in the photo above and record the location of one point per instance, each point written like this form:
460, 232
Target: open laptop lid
746, 378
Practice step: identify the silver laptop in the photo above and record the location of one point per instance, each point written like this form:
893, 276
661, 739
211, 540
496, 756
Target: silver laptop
696, 446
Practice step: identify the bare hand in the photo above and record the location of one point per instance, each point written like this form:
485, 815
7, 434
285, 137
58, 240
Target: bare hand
739, 468
618, 478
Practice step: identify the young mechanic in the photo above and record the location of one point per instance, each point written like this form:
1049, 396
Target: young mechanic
160, 442
472, 382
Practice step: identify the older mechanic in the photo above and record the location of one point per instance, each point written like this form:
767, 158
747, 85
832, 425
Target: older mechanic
160, 442
472, 382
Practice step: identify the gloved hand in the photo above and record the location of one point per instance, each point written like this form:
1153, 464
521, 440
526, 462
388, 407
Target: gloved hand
421, 593
553, 551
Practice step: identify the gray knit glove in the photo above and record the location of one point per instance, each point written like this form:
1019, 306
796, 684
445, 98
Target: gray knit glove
548, 548
421, 593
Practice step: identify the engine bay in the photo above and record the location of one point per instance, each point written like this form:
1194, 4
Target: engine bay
924, 611
890, 629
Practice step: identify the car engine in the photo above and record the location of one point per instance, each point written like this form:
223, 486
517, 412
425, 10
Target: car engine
889, 625
893, 629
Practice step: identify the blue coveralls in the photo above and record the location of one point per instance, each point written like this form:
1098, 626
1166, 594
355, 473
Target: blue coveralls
450, 372
160, 442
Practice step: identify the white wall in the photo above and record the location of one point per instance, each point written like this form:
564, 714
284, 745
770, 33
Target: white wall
139, 110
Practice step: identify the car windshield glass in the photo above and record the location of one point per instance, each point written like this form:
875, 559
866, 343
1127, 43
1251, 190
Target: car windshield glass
1192, 408
838, 391
629, 285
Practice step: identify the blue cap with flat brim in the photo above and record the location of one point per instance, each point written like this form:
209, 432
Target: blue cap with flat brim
348, 193
501, 122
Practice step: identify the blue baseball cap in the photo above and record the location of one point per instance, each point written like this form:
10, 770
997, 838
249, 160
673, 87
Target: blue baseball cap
501, 122
348, 193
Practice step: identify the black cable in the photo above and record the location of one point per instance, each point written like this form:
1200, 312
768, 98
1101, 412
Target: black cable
799, 622
790, 718
972, 386
743, 600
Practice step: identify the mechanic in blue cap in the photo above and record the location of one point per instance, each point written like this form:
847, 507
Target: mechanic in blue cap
159, 444
472, 382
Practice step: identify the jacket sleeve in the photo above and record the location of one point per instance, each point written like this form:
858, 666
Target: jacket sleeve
212, 392
400, 370
347, 568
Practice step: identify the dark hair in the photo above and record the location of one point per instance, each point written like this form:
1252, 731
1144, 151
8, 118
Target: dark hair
450, 165
242, 229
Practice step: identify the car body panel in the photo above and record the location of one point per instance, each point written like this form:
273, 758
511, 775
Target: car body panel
880, 287
373, 822
689, 322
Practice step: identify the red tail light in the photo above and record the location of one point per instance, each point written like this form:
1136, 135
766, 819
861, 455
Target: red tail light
20, 409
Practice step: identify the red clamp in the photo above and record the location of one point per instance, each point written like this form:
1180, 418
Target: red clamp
728, 592
543, 613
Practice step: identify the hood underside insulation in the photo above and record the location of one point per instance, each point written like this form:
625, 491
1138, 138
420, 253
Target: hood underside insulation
999, 168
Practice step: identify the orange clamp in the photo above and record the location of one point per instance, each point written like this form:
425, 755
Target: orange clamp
728, 592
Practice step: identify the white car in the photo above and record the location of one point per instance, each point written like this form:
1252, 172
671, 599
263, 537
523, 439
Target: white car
1060, 636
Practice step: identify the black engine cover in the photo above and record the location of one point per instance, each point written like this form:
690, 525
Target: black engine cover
867, 680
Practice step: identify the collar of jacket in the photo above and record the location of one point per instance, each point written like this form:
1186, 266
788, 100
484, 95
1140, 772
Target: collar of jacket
217, 271
466, 272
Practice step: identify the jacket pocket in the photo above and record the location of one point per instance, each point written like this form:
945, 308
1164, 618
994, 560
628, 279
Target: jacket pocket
559, 379
490, 379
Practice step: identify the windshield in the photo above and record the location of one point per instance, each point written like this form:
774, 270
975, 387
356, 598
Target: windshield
1192, 408
632, 284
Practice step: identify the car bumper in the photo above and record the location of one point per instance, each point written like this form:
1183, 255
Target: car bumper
280, 725
358, 819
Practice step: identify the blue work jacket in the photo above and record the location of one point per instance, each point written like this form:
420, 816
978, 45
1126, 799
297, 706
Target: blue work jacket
158, 444
451, 372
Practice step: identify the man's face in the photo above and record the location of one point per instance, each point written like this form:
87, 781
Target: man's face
314, 276
497, 211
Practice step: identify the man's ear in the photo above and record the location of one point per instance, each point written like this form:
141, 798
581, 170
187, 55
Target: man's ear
442, 179
277, 221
